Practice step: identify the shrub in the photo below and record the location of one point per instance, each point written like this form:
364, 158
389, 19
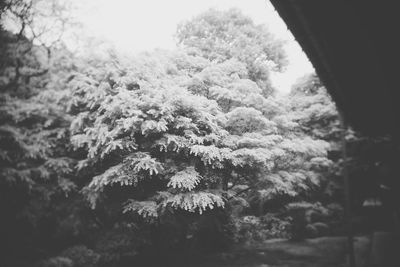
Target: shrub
250, 229
276, 227
81, 256
317, 229
313, 219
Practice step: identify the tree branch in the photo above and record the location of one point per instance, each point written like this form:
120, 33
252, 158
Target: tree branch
241, 192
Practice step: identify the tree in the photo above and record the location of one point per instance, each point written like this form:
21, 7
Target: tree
37, 166
223, 35
316, 113
314, 109
233, 44
148, 136
254, 148
185, 141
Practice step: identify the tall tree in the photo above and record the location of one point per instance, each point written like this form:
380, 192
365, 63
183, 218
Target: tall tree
223, 35
313, 109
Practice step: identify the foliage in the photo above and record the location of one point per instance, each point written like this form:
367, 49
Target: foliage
313, 219
136, 135
176, 142
314, 109
223, 35
252, 229
81, 256
37, 166
112, 156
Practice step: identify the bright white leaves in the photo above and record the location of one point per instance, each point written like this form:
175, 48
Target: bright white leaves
195, 201
306, 146
152, 126
135, 167
146, 209
221, 35
187, 179
112, 175
190, 201
208, 154
214, 114
146, 163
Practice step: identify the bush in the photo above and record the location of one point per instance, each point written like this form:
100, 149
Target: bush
317, 229
276, 227
250, 229
298, 212
312, 219
81, 256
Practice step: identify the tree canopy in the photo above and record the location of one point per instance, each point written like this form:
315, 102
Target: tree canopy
224, 35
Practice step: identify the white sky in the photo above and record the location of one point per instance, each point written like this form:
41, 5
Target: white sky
137, 25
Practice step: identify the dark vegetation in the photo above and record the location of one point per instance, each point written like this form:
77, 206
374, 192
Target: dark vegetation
109, 161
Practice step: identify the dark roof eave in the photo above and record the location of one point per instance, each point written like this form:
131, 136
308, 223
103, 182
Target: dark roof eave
344, 58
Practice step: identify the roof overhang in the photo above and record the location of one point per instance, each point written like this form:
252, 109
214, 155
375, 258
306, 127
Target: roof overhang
354, 47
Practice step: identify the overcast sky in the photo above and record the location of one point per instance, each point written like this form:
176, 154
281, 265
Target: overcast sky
136, 25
